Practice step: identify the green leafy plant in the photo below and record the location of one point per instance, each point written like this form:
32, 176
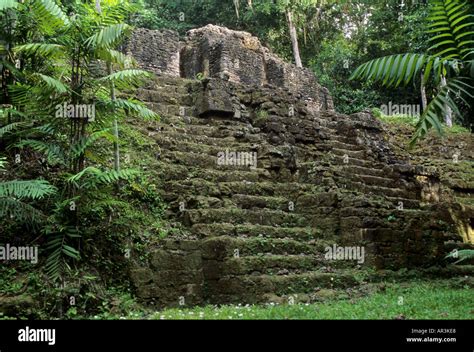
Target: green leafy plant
67, 61
200, 76
461, 255
450, 67
15, 194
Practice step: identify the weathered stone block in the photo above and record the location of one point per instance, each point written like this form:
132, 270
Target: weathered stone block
215, 51
155, 50
215, 98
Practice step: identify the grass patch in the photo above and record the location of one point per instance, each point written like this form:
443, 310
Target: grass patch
408, 120
414, 300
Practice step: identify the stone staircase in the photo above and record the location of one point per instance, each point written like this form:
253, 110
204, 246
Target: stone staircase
260, 231
259, 234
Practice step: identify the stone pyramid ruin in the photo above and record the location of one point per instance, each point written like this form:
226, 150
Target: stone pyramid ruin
265, 176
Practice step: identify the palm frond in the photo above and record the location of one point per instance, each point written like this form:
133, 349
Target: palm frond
80, 147
134, 107
394, 70
20, 94
31, 189
116, 57
40, 49
431, 117
53, 152
447, 18
461, 255
8, 4
92, 177
3, 163
49, 15
52, 83
11, 127
109, 36
58, 248
20, 212
127, 77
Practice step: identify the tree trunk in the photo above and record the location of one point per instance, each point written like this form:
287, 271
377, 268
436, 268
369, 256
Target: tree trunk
97, 7
237, 6
294, 39
116, 132
424, 99
448, 116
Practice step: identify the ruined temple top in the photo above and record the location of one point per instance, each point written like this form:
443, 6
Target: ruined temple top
221, 53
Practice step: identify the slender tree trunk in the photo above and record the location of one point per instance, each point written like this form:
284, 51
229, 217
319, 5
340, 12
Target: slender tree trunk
448, 116
294, 39
237, 6
97, 7
116, 132
424, 99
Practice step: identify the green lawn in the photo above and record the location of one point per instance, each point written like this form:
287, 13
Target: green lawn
414, 300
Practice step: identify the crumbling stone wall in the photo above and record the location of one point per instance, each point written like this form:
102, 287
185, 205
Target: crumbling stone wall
217, 52
155, 51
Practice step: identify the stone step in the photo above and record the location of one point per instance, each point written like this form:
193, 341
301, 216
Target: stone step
307, 234
191, 147
377, 190
169, 89
360, 170
169, 109
246, 189
227, 189
238, 216
181, 134
252, 288
245, 201
341, 160
316, 204
382, 213
229, 246
345, 146
171, 97
239, 132
465, 200
206, 161
358, 175
461, 186
404, 203
375, 180
263, 265
185, 117
171, 81
354, 154
171, 171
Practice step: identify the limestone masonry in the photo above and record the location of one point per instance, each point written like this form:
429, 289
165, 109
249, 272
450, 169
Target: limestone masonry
258, 234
